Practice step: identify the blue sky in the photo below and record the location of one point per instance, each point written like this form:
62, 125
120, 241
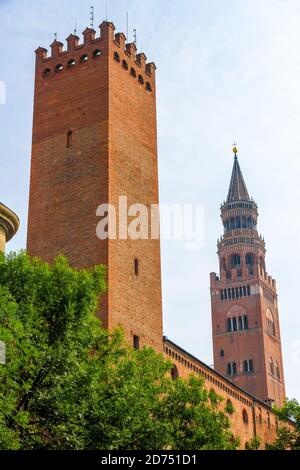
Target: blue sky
227, 69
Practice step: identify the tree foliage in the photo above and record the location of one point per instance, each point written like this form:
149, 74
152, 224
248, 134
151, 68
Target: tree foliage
288, 433
69, 384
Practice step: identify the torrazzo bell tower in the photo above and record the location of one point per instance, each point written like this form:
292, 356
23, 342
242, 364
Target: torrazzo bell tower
245, 320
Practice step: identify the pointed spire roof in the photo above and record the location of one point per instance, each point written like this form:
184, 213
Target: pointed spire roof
237, 188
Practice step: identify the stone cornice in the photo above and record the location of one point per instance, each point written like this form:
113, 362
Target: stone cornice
9, 221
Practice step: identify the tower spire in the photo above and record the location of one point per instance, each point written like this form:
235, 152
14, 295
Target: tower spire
237, 188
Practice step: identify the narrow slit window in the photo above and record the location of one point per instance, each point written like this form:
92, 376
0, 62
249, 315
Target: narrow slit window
136, 267
136, 342
69, 139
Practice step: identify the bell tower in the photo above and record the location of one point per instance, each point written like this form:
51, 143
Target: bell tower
245, 319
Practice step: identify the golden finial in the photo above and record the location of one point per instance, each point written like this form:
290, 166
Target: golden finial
235, 149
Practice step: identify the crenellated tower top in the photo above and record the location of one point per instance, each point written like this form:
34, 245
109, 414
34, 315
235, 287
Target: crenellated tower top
91, 47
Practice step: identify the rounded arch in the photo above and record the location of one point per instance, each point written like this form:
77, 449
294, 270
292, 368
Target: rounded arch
84, 58
236, 319
250, 259
174, 372
116, 57
270, 323
235, 260
248, 366
229, 407
271, 365
277, 370
59, 67
46, 72
245, 416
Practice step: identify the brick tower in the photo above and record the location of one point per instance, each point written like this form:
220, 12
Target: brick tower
245, 320
95, 139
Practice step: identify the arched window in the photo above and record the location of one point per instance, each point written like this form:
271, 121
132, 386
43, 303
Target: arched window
148, 87
240, 323
58, 67
245, 318
244, 222
271, 364
84, 58
249, 259
71, 63
96, 53
229, 407
235, 261
141, 80
132, 72
125, 65
238, 222
174, 372
277, 370
116, 57
136, 267
270, 323
231, 368
249, 222
69, 139
222, 354
136, 342
234, 323
229, 324
46, 72
248, 366
231, 223
245, 417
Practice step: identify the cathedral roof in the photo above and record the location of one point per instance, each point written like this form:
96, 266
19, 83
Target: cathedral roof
237, 188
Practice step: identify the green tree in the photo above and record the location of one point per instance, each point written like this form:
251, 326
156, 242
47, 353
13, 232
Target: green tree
69, 384
288, 433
